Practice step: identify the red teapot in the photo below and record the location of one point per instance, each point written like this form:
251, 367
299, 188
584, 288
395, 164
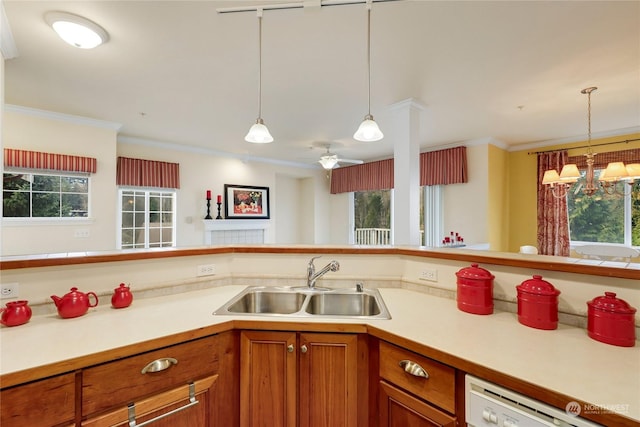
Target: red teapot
74, 303
122, 296
15, 313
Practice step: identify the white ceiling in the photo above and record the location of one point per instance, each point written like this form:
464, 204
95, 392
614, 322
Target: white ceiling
178, 72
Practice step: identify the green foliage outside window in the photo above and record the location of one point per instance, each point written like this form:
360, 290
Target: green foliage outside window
372, 209
601, 217
27, 195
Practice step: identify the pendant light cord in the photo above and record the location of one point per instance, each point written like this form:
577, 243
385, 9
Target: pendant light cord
369, 55
259, 63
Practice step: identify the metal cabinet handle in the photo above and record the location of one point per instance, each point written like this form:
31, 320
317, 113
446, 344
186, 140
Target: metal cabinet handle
159, 365
132, 409
413, 368
304, 348
290, 348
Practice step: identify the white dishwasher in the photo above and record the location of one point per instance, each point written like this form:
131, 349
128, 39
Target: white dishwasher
489, 405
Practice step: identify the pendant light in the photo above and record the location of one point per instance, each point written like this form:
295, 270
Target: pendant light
258, 133
570, 173
368, 130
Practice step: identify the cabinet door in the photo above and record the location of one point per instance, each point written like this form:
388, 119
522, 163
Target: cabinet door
399, 409
268, 379
328, 380
40, 403
173, 408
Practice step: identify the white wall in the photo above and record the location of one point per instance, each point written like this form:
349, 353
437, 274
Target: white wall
56, 133
465, 205
199, 171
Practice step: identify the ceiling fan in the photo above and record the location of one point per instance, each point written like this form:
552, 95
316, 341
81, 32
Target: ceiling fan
330, 160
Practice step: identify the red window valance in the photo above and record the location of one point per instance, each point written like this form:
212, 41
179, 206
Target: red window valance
365, 177
443, 167
601, 160
49, 161
147, 173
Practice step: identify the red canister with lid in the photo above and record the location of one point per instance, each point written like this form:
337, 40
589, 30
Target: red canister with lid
538, 303
611, 320
475, 290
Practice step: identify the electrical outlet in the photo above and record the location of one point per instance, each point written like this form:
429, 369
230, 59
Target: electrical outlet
206, 270
430, 275
81, 233
9, 290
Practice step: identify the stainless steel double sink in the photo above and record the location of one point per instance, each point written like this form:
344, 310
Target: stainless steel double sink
307, 302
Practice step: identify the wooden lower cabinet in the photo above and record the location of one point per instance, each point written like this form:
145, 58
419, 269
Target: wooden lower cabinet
48, 402
174, 408
400, 409
307, 379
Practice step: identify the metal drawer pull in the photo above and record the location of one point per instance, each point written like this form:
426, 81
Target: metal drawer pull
159, 365
290, 348
304, 348
413, 368
132, 409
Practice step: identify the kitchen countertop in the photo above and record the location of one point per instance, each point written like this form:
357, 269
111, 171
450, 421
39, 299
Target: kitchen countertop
565, 360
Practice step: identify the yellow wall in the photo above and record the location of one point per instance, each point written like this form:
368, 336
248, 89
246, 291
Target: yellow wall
497, 207
522, 187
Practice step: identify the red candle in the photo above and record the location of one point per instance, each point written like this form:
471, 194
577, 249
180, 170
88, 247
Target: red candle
219, 198
208, 194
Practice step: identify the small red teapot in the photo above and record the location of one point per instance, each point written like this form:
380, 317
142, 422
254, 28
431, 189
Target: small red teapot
74, 303
15, 313
122, 296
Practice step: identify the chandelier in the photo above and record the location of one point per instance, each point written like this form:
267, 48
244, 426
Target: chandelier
609, 178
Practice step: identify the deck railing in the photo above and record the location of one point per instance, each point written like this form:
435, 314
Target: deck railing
372, 236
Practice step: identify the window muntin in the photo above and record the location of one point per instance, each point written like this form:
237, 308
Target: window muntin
45, 195
602, 217
136, 232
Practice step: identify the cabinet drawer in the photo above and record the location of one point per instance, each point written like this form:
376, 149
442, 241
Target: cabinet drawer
438, 388
40, 403
121, 382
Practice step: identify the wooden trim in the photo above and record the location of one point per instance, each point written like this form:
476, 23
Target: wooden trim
540, 263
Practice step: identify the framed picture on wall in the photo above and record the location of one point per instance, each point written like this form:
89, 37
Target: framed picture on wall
246, 202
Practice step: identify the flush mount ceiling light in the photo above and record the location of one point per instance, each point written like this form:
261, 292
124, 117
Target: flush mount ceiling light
368, 130
258, 133
76, 30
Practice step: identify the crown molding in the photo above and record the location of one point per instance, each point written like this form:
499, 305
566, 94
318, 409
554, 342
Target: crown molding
576, 138
68, 118
125, 139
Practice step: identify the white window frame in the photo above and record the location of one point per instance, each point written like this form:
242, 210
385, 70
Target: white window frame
60, 220
147, 190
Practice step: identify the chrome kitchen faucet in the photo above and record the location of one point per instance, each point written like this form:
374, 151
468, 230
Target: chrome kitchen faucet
313, 276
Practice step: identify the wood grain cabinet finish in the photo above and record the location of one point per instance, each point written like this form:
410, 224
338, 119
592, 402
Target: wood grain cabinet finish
400, 409
48, 402
173, 408
121, 382
439, 388
307, 379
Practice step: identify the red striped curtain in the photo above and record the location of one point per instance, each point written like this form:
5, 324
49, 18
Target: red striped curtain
49, 161
365, 177
443, 167
601, 160
147, 173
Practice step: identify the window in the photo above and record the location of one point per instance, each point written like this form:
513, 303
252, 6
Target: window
372, 217
604, 218
45, 195
147, 219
